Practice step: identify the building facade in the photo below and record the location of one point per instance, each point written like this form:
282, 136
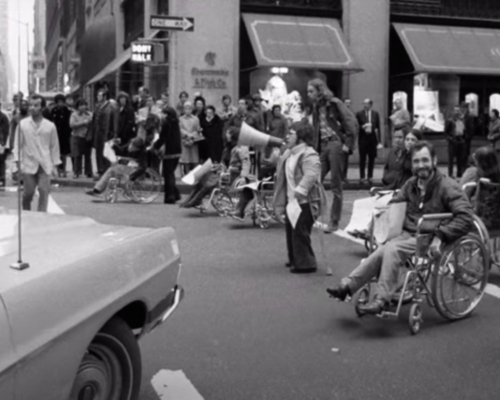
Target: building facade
4, 51
433, 54
38, 79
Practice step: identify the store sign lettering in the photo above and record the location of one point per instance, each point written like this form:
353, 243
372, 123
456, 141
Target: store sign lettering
210, 78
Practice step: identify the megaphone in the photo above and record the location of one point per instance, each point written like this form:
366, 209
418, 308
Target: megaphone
252, 137
199, 172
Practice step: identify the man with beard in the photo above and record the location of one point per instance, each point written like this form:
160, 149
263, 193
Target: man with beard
427, 192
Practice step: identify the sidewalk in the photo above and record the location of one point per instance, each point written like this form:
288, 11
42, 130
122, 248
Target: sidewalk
352, 176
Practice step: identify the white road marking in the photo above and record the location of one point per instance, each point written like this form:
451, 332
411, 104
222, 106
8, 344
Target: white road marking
53, 207
174, 385
492, 290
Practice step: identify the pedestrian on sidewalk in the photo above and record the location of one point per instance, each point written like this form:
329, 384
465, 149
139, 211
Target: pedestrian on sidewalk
60, 116
190, 131
298, 179
169, 150
80, 122
455, 132
104, 125
494, 131
368, 140
334, 136
126, 118
39, 148
4, 136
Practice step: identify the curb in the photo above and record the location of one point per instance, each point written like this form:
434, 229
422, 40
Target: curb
186, 189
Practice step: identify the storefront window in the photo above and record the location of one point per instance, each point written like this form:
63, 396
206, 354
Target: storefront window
495, 102
472, 100
403, 96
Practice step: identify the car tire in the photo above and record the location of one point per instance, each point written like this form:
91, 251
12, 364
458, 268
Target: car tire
111, 367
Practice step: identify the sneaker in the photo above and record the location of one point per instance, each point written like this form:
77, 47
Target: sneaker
340, 292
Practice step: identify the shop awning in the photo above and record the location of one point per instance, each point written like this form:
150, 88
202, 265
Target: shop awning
301, 42
443, 49
98, 47
114, 65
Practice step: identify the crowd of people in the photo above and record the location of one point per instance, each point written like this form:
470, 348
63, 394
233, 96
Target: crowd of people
160, 136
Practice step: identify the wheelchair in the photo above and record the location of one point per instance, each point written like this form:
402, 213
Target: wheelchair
485, 196
143, 189
225, 197
452, 283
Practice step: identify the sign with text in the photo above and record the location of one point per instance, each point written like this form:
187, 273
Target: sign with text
168, 23
143, 52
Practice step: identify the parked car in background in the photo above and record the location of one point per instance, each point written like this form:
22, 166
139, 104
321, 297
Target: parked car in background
70, 323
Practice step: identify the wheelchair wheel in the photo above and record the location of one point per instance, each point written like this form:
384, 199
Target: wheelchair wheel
362, 298
222, 203
111, 193
415, 319
145, 188
460, 278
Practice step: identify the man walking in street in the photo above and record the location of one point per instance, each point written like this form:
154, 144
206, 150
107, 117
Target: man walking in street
39, 146
368, 140
335, 133
4, 135
455, 132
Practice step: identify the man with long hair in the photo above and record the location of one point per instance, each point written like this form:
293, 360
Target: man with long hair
334, 136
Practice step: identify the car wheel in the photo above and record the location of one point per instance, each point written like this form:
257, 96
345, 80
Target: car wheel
111, 367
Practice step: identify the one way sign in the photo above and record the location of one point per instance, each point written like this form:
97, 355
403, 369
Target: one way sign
167, 23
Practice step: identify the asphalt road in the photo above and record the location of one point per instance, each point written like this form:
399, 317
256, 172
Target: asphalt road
249, 330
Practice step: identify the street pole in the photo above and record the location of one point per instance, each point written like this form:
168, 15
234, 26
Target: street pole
19, 265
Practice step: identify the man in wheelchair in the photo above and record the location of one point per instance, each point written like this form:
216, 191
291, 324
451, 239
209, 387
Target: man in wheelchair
427, 192
237, 160
135, 149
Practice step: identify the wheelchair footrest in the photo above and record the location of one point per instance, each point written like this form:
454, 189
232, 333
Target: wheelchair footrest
388, 315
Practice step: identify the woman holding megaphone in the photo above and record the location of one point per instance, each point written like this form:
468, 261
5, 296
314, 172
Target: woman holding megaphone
299, 196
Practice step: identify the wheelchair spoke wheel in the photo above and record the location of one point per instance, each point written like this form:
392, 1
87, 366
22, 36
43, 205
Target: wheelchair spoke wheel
415, 319
460, 278
144, 188
222, 203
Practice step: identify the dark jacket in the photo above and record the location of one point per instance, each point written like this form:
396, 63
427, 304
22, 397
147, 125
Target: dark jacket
340, 119
443, 195
212, 130
397, 169
126, 123
4, 128
449, 131
277, 126
139, 154
60, 116
104, 123
364, 137
169, 142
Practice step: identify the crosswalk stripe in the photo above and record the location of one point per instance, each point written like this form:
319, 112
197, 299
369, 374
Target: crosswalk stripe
174, 385
53, 207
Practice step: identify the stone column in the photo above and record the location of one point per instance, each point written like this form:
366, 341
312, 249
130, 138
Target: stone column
206, 60
367, 25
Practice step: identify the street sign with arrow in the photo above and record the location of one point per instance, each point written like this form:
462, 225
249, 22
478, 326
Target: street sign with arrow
168, 23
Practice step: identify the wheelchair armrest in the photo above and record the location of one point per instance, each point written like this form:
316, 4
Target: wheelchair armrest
432, 218
380, 191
